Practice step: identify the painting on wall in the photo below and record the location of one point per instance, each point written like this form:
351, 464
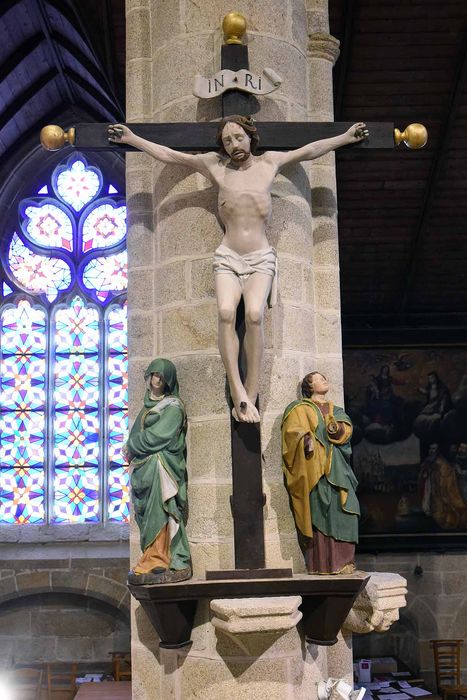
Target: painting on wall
409, 409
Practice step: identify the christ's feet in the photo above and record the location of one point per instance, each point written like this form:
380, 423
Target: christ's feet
244, 411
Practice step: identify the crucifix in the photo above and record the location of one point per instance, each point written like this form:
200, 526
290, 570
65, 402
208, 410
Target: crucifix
247, 500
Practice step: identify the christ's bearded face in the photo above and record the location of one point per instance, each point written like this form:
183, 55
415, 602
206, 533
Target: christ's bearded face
236, 142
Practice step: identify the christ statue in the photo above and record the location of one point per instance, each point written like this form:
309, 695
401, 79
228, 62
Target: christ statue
245, 265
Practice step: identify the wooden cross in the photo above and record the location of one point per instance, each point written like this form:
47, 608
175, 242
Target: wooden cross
247, 500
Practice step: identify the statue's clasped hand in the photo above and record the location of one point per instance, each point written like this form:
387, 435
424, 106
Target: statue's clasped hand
308, 445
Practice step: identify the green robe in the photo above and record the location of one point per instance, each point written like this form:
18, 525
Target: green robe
157, 441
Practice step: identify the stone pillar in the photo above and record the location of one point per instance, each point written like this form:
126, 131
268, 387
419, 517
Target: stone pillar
173, 231
323, 51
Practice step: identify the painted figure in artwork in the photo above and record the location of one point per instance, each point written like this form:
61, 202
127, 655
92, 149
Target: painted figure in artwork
320, 482
156, 452
244, 264
440, 490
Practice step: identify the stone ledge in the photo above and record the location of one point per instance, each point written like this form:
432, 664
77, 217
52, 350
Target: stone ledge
244, 615
326, 601
64, 534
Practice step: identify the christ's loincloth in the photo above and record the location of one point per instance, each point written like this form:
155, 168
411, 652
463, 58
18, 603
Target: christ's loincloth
227, 261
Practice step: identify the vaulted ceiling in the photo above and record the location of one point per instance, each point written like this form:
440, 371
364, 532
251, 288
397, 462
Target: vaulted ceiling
50, 67
402, 213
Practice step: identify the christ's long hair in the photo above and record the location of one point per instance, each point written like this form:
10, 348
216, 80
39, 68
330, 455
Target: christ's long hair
248, 127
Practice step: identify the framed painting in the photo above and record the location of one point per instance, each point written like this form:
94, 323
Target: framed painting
409, 409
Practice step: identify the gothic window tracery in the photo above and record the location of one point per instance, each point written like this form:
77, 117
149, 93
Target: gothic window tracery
63, 353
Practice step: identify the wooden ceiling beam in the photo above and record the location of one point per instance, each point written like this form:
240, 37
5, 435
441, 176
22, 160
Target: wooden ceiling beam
109, 44
67, 10
68, 93
6, 5
439, 159
70, 10
90, 67
94, 93
19, 55
24, 97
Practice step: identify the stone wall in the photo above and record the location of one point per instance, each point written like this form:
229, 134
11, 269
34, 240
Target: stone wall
436, 608
63, 602
52, 627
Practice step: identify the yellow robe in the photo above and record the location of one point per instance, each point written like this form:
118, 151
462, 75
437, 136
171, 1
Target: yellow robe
303, 473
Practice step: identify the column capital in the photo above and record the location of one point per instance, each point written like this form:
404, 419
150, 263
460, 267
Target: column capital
322, 45
377, 606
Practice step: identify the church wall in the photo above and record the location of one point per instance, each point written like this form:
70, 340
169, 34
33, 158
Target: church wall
61, 627
63, 602
436, 607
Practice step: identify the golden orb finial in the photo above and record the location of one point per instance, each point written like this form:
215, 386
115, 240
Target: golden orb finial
234, 27
414, 136
53, 137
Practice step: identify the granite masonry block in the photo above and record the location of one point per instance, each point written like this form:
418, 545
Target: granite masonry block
138, 34
105, 589
215, 462
34, 581
189, 328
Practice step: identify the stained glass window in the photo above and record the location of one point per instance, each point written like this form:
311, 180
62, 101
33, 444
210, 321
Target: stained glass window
63, 353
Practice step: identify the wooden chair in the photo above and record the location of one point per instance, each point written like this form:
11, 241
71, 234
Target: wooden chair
61, 681
447, 655
121, 665
27, 683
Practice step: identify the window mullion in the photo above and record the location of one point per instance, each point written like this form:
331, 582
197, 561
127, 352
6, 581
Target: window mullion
49, 419
104, 418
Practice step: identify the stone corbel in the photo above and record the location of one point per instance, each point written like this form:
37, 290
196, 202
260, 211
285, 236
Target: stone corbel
321, 45
377, 605
240, 618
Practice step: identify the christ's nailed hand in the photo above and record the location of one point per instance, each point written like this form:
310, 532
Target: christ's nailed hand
119, 133
357, 132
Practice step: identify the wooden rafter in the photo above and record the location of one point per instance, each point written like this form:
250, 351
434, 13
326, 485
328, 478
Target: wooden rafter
69, 9
102, 98
19, 55
26, 95
5, 6
68, 93
109, 44
89, 66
